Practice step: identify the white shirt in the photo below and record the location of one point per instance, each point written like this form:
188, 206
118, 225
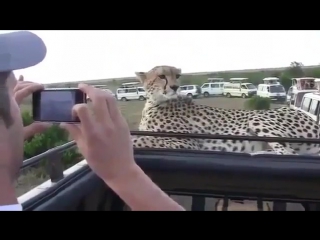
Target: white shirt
12, 207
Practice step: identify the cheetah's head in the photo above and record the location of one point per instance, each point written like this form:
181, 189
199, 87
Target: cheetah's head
161, 83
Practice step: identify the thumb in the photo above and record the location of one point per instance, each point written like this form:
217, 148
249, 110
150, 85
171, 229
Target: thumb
72, 129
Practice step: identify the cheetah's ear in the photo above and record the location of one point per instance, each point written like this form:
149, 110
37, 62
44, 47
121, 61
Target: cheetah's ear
141, 76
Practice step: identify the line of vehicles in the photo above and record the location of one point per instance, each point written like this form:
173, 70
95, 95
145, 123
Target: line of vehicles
235, 87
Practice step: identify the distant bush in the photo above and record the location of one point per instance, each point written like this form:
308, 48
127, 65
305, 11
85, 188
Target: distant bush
258, 103
53, 137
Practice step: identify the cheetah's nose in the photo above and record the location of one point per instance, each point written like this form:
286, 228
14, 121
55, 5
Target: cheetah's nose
174, 87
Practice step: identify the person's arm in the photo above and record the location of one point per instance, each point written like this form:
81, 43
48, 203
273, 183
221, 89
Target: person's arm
8, 199
138, 191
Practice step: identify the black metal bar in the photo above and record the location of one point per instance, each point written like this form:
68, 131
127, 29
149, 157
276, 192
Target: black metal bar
57, 150
55, 167
225, 203
226, 137
36, 159
260, 204
198, 204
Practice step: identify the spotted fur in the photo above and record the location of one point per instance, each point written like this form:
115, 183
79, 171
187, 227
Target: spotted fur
166, 111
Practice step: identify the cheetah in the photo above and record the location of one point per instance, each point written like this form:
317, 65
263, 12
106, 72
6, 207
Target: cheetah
166, 110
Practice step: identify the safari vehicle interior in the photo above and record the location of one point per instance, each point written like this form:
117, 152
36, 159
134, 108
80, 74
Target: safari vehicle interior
200, 175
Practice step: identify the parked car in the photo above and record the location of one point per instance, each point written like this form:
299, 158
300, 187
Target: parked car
131, 93
212, 89
192, 91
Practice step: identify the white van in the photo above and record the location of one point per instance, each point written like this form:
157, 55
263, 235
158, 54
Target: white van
131, 93
310, 105
239, 89
215, 80
104, 88
192, 91
273, 91
209, 89
304, 84
271, 88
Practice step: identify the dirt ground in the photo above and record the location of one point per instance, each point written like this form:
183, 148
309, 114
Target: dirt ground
132, 112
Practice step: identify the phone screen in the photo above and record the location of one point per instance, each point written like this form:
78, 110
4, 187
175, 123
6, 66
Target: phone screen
55, 105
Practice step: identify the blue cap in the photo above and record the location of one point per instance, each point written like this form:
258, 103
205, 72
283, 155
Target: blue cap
20, 50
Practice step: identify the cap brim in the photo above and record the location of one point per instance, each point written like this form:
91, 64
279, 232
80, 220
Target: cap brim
20, 50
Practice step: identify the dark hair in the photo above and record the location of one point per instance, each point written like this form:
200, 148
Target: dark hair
5, 113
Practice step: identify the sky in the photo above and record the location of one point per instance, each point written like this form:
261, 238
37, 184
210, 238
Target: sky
87, 55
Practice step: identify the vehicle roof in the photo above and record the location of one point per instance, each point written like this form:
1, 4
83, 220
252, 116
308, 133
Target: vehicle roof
189, 85
238, 79
217, 78
126, 87
214, 82
304, 91
313, 95
130, 83
270, 78
238, 83
272, 84
303, 78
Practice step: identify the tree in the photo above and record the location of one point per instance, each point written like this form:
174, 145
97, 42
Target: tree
285, 80
258, 103
295, 70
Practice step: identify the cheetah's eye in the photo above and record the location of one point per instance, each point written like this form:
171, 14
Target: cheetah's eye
178, 76
162, 76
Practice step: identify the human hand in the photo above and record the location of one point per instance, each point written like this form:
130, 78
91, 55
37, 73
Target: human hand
22, 90
103, 137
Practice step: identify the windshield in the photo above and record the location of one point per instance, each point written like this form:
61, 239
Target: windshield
277, 89
298, 99
251, 86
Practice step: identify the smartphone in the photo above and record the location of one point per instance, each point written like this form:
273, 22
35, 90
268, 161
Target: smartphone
55, 104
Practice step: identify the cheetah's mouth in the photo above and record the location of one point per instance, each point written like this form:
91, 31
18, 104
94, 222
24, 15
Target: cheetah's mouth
170, 95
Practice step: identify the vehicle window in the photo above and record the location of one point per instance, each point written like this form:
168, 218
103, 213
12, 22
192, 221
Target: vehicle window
314, 107
221, 85
132, 90
297, 98
277, 89
243, 86
215, 85
190, 87
305, 104
122, 91
268, 89
183, 88
141, 90
205, 85
289, 91
251, 86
